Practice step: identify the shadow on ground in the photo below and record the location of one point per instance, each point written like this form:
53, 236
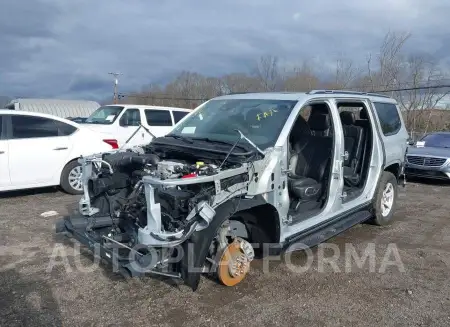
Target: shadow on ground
27, 192
428, 181
27, 302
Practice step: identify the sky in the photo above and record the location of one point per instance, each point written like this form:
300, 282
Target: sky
65, 49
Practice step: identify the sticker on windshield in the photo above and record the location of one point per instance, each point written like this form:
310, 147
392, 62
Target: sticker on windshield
110, 118
266, 114
200, 116
188, 130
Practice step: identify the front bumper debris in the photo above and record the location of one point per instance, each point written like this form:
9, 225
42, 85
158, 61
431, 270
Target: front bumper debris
126, 261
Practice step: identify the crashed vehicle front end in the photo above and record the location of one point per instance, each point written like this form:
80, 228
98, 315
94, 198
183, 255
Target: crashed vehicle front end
168, 208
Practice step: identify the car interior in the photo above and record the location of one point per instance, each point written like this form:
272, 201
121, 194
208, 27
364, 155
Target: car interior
358, 144
311, 144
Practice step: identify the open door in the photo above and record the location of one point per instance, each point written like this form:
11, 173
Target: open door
314, 174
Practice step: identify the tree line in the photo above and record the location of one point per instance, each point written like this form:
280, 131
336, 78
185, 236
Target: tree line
416, 81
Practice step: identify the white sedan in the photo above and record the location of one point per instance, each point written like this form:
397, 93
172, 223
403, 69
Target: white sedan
39, 150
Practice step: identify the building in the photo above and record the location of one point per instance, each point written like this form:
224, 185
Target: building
57, 107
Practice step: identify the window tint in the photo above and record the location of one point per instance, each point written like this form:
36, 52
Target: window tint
64, 129
1, 127
131, 117
389, 117
30, 127
158, 117
178, 115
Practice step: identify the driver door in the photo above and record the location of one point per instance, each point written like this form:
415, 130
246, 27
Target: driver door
128, 125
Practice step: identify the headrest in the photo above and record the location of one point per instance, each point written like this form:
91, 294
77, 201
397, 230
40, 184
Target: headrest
363, 114
319, 108
347, 117
300, 129
319, 122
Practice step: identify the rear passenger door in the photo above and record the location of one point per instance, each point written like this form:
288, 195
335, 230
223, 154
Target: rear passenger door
159, 121
37, 150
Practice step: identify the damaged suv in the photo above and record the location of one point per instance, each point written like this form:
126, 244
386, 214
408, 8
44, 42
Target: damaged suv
241, 177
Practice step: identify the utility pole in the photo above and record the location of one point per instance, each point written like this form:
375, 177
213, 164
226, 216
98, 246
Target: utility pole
116, 81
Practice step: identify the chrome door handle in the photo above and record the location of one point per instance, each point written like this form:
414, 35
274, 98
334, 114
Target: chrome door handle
58, 149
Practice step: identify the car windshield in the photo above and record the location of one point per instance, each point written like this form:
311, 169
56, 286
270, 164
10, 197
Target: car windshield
437, 140
261, 120
104, 115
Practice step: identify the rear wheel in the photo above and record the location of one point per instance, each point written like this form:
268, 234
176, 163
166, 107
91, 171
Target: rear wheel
385, 201
71, 178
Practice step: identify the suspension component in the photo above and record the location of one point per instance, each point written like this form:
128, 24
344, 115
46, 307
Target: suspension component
234, 262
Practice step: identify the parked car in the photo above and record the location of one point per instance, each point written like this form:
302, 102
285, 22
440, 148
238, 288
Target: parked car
429, 157
77, 119
120, 122
243, 176
38, 150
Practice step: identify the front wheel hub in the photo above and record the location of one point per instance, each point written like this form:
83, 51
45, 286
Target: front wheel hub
234, 262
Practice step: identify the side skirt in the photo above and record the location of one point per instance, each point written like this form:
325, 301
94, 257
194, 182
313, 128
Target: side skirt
324, 231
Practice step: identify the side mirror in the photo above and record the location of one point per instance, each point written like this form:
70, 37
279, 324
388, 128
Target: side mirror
410, 142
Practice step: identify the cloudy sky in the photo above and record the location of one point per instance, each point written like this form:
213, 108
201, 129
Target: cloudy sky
65, 48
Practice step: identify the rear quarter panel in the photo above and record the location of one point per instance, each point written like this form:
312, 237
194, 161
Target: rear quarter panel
395, 143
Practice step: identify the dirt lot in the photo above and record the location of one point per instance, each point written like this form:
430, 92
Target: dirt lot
419, 295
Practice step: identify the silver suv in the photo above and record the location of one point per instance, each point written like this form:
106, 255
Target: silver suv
243, 176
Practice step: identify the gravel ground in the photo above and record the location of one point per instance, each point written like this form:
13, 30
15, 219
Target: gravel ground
414, 290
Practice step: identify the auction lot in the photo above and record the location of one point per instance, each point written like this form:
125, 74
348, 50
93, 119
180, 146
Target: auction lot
33, 295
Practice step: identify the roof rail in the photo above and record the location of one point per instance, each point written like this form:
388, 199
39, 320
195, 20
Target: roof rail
347, 92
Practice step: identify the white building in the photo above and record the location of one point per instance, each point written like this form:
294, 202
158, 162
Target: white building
57, 107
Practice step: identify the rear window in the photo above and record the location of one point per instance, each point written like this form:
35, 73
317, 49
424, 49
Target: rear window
178, 115
389, 118
158, 117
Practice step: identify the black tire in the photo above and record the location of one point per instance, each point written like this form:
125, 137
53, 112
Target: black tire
64, 182
380, 219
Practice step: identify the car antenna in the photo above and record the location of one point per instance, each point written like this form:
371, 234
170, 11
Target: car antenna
135, 132
241, 136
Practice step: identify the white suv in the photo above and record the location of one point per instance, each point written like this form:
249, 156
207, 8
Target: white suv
123, 122
39, 150
241, 174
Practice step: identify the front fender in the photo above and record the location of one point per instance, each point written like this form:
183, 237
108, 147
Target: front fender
195, 249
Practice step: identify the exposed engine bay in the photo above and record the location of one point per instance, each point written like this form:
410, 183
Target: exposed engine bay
143, 205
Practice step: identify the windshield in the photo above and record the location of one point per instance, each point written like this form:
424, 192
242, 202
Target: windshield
437, 140
104, 115
260, 120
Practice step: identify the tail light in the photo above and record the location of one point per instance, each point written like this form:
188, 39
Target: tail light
112, 142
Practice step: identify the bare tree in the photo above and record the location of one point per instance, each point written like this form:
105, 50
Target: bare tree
421, 97
240, 82
346, 73
301, 78
267, 72
385, 74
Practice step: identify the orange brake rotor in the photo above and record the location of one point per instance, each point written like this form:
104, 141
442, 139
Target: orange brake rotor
233, 265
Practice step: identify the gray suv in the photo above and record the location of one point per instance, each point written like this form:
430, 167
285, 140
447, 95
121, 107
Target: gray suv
430, 157
241, 177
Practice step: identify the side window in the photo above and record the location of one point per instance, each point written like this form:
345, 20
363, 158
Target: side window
389, 118
131, 117
158, 117
64, 129
24, 127
178, 115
